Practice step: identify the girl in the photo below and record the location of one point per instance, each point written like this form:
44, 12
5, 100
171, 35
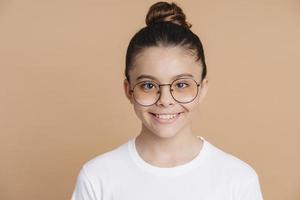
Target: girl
165, 83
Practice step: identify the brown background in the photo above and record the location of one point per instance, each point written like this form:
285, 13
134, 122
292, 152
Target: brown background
62, 100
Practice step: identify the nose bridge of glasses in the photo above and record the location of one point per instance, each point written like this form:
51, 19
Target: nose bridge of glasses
168, 89
166, 94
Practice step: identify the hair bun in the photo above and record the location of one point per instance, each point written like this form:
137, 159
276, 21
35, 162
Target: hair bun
166, 12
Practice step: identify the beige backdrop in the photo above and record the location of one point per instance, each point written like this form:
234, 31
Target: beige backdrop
62, 101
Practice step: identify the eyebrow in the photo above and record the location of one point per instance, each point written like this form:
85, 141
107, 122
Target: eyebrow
144, 76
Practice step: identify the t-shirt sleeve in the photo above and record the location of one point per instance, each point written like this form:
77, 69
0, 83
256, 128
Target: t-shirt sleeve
84, 188
251, 190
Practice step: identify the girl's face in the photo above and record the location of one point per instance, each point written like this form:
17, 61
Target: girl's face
165, 64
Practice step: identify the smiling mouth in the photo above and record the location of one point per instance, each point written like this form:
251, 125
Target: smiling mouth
166, 116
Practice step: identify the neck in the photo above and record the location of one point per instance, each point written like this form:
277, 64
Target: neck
180, 147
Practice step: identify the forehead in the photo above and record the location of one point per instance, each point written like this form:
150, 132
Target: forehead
165, 63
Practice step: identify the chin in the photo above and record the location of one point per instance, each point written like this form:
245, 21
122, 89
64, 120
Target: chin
164, 132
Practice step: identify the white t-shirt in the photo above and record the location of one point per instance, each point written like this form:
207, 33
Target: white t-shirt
121, 174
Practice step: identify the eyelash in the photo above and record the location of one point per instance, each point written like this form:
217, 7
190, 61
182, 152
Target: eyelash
148, 83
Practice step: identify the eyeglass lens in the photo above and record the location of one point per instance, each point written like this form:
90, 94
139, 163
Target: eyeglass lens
182, 90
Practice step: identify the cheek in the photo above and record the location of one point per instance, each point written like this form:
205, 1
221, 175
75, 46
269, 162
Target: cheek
139, 111
136, 110
192, 110
192, 106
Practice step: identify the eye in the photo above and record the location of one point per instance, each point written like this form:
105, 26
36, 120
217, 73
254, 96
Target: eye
147, 86
182, 85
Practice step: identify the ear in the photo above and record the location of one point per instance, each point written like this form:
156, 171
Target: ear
127, 91
203, 89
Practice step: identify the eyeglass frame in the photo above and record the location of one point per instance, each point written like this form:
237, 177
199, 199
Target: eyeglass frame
159, 91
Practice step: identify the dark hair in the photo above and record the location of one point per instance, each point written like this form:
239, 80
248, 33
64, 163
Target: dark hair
166, 26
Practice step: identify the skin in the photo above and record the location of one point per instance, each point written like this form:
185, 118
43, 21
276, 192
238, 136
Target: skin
166, 145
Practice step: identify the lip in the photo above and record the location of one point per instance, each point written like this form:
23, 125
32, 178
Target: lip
166, 113
165, 121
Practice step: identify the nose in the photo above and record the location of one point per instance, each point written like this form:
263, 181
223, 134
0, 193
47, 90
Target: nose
165, 98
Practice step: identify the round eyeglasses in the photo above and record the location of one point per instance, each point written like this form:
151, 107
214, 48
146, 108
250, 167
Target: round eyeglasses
183, 90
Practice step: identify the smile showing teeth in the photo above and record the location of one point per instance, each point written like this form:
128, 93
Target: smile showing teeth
166, 116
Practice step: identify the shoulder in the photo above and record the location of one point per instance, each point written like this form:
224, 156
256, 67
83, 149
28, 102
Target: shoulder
230, 165
103, 164
94, 176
